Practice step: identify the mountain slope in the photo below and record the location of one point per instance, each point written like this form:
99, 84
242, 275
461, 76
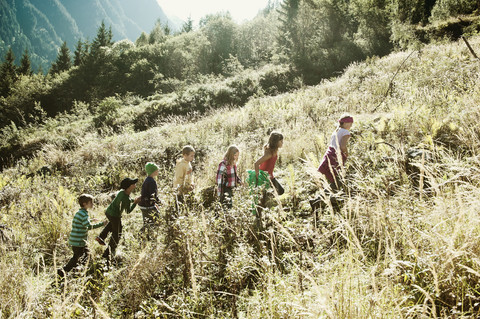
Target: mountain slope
400, 241
41, 25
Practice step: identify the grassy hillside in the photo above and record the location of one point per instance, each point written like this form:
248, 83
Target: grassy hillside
398, 247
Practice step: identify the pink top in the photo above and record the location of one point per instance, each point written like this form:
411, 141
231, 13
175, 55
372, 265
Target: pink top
269, 165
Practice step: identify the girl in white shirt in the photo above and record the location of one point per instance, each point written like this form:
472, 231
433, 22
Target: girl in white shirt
332, 161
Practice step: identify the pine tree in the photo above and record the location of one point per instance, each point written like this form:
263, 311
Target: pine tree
188, 25
142, 40
167, 30
8, 73
25, 64
157, 35
63, 61
104, 38
78, 54
288, 14
81, 52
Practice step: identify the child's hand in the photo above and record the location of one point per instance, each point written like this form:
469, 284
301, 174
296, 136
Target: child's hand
105, 222
137, 199
189, 171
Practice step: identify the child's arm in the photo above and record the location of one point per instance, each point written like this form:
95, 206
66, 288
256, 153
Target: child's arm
86, 223
128, 204
266, 156
220, 177
189, 177
239, 180
179, 176
343, 144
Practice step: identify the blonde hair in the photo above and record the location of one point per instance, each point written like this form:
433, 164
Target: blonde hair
187, 149
273, 140
229, 155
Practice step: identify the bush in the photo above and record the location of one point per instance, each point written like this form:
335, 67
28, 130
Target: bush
107, 113
216, 92
444, 9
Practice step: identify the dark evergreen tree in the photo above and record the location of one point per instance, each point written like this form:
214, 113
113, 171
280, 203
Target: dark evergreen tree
142, 40
25, 64
157, 35
104, 38
8, 73
288, 30
167, 30
81, 52
188, 25
289, 38
63, 61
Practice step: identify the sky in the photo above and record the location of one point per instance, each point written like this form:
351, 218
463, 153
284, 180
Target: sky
239, 9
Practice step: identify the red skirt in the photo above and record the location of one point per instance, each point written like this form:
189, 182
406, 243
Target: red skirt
330, 166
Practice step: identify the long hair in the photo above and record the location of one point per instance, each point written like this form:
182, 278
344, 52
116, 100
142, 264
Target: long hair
273, 141
229, 155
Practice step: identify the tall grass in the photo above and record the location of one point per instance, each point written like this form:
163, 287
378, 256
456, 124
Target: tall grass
397, 247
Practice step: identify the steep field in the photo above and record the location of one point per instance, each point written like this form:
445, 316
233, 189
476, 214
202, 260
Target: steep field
398, 245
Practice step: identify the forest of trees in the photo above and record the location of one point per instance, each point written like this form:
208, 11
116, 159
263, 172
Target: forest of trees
294, 42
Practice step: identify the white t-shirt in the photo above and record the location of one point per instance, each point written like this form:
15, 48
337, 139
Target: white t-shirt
337, 137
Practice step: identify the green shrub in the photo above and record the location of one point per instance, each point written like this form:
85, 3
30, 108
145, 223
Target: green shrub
215, 93
107, 113
445, 9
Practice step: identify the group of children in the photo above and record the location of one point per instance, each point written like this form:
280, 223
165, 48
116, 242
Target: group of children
226, 179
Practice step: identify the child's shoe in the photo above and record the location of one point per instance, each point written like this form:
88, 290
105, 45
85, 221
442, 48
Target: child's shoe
100, 241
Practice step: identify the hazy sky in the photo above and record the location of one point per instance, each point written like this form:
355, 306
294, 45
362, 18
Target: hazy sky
239, 9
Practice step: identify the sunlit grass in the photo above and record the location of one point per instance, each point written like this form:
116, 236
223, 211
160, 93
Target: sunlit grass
394, 249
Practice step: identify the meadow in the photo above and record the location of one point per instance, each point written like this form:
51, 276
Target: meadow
399, 245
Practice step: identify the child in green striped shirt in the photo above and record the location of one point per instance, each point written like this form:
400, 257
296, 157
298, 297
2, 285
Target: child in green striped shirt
78, 236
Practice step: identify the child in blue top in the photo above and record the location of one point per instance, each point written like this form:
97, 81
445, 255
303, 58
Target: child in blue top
149, 197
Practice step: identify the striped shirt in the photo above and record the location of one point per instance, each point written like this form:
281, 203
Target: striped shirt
226, 176
80, 226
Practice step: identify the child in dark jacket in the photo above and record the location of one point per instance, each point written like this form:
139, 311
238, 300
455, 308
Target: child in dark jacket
149, 197
78, 236
121, 203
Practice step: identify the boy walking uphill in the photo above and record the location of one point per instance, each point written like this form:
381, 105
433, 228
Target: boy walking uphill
183, 180
121, 203
149, 196
78, 236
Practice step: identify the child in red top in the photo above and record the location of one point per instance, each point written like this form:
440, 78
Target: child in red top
227, 177
267, 161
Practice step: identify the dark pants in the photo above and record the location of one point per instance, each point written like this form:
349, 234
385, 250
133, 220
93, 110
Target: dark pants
115, 227
80, 254
179, 201
277, 186
150, 216
226, 197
